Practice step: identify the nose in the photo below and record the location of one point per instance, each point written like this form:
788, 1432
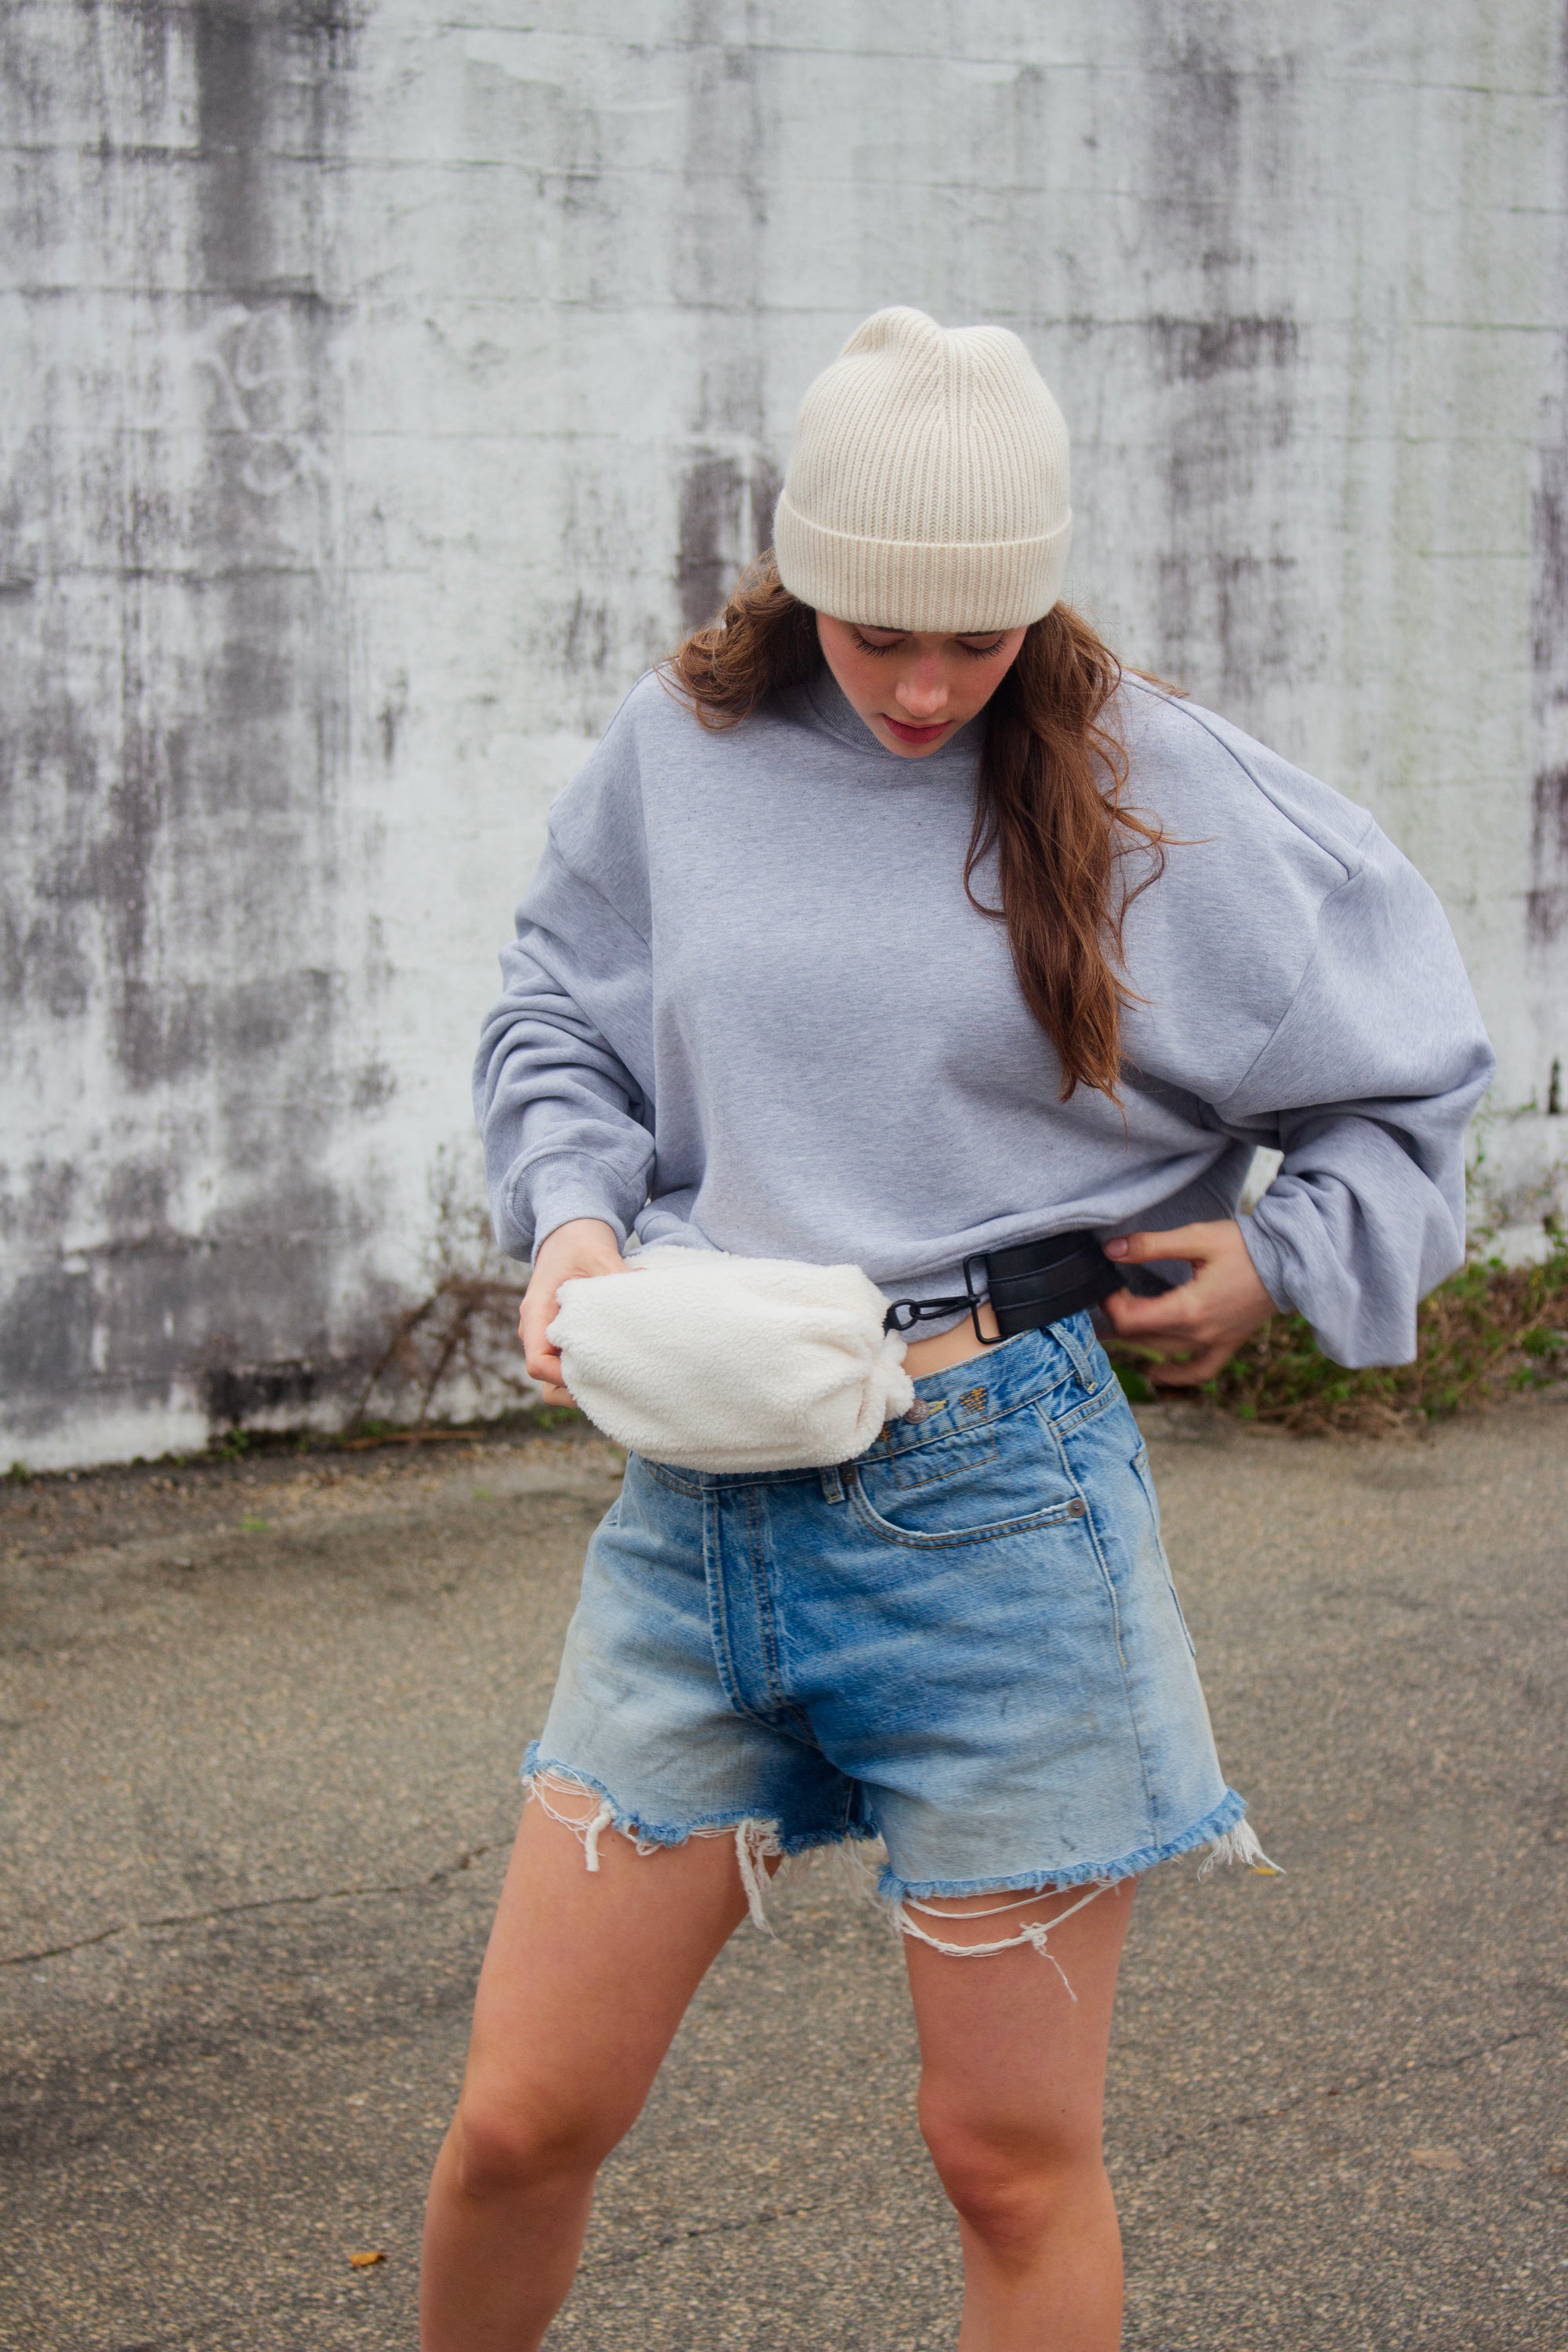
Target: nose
924, 693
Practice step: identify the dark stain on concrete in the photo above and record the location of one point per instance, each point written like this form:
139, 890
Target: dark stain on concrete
1546, 888
712, 512
47, 1339
1549, 552
374, 1088
175, 724
726, 521
233, 61
389, 719
37, 1203
588, 636
1192, 351
766, 483
235, 1393
729, 486
1546, 899
1224, 368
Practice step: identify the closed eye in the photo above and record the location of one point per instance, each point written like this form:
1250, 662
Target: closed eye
979, 653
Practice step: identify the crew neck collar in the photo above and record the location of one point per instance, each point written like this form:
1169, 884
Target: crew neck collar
826, 706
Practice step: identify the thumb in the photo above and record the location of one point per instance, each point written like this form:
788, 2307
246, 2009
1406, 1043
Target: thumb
1189, 1241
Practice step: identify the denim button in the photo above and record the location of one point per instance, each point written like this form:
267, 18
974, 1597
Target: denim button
1077, 1508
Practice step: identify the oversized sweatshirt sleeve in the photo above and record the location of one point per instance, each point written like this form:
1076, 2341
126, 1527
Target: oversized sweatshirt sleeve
562, 1084
1366, 1084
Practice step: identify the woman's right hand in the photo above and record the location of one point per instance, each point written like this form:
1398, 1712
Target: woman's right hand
582, 1245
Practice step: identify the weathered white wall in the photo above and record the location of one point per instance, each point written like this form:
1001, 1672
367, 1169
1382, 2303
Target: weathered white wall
379, 394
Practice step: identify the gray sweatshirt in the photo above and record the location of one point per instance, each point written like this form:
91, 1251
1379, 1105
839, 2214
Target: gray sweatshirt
750, 1007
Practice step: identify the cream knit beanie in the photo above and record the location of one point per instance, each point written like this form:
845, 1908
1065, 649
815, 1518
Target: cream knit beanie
928, 482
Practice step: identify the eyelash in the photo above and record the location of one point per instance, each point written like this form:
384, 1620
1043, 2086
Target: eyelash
976, 652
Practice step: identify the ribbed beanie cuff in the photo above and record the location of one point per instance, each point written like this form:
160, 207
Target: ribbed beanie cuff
894, 583
928, 482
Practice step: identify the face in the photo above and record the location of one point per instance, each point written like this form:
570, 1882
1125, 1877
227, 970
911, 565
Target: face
915, 688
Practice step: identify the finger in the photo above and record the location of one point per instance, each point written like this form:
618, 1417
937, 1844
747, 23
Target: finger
555, 1394
538, 1312
1168, 1317
543, 1363
1191, 1242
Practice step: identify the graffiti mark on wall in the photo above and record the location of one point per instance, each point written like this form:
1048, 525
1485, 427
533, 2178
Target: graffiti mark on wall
264, 389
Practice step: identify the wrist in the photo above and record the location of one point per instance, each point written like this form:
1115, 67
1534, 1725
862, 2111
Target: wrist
576, 1233
580, 1245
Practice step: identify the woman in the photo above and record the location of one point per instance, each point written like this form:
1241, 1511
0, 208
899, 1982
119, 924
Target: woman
892, 924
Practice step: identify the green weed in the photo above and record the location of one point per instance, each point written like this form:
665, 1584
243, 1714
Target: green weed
1488, 1331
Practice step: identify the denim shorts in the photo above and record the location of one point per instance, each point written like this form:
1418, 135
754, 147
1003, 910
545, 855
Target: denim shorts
965, 1643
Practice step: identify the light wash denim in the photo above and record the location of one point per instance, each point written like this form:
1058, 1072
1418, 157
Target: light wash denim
966, 1642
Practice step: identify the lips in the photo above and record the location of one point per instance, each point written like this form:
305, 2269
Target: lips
907, 734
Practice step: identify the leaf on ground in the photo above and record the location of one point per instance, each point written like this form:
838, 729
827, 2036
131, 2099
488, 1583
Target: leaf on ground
254, 1526
363, 2261
1438, 2160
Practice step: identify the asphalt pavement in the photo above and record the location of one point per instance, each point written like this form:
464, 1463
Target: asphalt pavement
261, 1723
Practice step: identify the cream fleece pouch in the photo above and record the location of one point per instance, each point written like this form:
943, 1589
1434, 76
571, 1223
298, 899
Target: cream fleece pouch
712, 1362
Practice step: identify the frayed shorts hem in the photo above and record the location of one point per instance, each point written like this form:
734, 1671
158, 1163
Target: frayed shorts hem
1222, 1829
1212, 1826
646, 1836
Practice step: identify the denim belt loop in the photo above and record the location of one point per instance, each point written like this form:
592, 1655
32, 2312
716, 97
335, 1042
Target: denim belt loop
1080, 1357
832, 1485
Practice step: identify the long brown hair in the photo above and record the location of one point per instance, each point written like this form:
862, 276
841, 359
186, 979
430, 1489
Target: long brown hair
1052, 781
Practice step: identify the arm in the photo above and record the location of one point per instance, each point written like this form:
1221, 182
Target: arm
564, 1111
1366, 1084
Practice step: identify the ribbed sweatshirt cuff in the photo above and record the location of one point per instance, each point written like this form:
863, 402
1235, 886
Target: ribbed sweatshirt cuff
1267, 1260
561, 1185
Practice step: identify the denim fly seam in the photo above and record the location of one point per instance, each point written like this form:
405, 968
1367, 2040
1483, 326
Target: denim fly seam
966, 1641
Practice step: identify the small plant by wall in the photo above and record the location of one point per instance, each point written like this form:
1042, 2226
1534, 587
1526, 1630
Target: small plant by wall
453, 1355
1491, 1330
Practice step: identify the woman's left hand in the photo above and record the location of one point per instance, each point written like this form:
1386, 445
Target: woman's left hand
1206, 1319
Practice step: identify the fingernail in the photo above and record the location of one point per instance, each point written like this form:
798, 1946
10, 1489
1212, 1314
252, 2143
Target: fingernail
1115, 1249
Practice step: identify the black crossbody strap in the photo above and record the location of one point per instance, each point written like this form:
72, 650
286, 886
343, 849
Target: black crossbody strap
1027, 1286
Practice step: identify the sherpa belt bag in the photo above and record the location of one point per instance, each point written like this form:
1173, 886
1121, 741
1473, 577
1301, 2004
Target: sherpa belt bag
713, 1362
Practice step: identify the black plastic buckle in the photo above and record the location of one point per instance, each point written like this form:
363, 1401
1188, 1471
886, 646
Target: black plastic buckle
1025, 1286
905, 1313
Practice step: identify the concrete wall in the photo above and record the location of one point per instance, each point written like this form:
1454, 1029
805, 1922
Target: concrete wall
380, 393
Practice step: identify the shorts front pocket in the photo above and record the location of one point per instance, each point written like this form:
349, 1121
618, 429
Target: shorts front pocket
1003, 1478
945, 1457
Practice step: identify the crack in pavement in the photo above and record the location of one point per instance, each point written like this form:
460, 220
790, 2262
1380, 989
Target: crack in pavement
667, 2238
1374, 2080
255, 1903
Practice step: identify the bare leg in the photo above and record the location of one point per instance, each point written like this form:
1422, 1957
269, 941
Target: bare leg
586, 1979
1012, 2091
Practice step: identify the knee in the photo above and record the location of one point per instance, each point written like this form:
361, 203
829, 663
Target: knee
505, 2146
1011, 2182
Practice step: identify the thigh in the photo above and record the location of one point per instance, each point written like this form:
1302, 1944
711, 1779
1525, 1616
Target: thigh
1013, 2050
587, 1974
